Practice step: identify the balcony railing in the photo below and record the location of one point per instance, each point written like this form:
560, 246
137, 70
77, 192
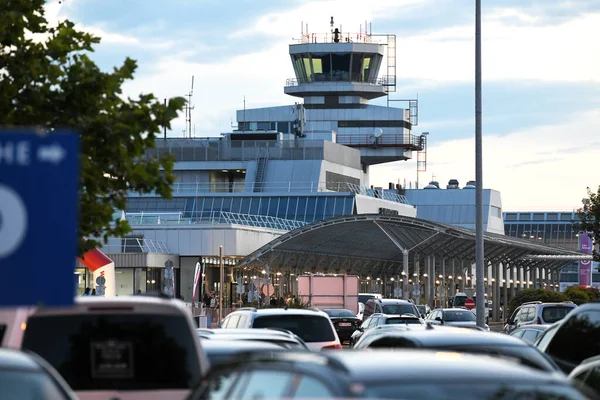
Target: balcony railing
339, 77
408, 140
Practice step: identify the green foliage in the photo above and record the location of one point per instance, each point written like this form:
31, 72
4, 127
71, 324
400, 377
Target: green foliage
526, 295
577, 294
48, 81
580, 295
589, 216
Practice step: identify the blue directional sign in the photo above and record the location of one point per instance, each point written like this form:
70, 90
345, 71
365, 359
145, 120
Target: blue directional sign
39, 183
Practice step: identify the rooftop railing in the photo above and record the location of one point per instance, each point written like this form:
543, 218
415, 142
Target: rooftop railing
221, 149
184, 188
213, 217
136, 245
343, 37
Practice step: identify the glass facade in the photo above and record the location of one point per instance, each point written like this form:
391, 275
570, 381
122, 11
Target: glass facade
552, 228
332, 67
300, 208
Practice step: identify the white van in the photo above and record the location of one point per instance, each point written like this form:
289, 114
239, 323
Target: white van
126, 347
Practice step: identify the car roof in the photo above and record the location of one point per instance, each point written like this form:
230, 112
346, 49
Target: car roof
117, 304
532, 327
392, 301
17, 360
427, 365
249, 331
284, 311
452, 309
232, 346
434, 336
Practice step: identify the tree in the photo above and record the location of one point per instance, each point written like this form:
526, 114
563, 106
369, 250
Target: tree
589, 215
48, 81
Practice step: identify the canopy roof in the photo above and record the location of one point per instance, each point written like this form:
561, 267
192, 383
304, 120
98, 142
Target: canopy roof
373, 244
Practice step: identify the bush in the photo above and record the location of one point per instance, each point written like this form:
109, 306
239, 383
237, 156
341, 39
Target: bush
545, 296
580, 295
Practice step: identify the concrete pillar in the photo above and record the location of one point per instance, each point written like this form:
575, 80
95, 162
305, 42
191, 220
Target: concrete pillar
418, 278
496, 292
405, 274
511, 281
427, 280
433, 278
505, 283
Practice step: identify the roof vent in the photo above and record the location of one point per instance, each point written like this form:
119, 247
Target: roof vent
470, 185
452, 184
433, 185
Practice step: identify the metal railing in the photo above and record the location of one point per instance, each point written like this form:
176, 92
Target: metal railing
344, 37
136, 245
287, 187
221, 149
408, 140
335, 77
389, 195
212, 217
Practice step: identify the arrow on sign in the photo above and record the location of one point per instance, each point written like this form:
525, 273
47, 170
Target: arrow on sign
52, 154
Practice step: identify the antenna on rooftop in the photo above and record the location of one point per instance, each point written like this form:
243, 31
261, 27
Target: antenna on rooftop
188, 110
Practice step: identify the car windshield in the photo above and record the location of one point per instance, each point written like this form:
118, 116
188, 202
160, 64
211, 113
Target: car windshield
29, 385
117, 351
310, 328
459, 301
397, 321
551, 314
459, 316
363, 298
399, 309
340, 313
468, 391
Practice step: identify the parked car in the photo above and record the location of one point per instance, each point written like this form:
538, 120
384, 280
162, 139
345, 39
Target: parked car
281, 375
313, 326
280, 337
410, 375
529, 333
120, 347
538, 313
344, 321
222, 351
588, 373
573, 339
442, 375
376, 320
370, 335
424, 310
27, 376
390, 307
454, 317
465, 341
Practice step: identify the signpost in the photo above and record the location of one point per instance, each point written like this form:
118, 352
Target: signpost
469, 304
39, 182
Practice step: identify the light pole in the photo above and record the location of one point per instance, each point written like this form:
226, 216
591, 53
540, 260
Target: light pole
479, 261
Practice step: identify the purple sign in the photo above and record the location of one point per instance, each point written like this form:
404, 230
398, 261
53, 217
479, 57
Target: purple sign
585, 266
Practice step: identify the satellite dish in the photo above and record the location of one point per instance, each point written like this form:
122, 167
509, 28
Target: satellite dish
377, 132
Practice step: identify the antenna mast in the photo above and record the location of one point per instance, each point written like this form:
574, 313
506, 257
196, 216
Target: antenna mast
188, 110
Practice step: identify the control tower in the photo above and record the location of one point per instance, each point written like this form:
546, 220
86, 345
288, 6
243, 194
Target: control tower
336, 75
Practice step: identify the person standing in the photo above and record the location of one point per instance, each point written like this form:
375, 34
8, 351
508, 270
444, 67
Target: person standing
86, 292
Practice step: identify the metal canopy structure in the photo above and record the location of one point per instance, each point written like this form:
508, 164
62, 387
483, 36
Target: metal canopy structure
378, 245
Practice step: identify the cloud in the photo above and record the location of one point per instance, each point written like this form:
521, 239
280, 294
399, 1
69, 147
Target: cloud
529, 167
562, 52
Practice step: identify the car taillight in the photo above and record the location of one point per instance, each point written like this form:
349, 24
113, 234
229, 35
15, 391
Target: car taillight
539, 320
335, 346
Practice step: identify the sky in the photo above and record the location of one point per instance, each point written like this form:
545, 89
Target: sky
541, 77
